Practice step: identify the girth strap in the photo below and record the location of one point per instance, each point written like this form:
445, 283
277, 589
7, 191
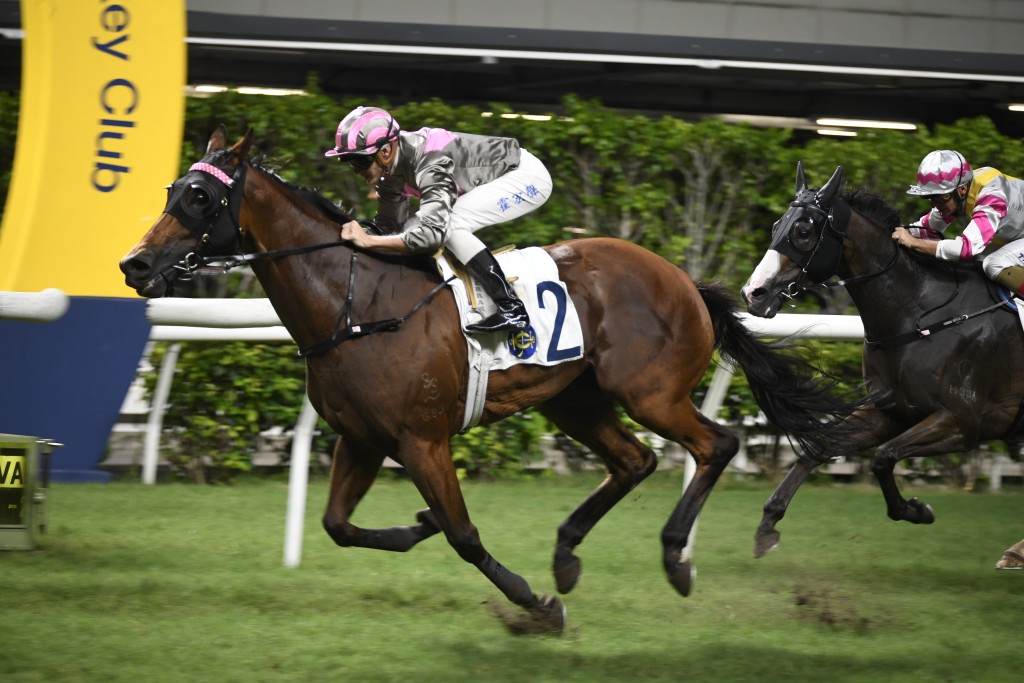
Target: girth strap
350, 331
921, 333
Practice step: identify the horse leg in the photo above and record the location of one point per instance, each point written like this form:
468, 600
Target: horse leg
767, 537
864, 429
712, 447
430, 467
937, 434
589, 416
352, 473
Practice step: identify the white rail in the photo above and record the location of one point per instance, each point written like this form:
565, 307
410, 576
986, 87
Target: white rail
44, 306
217, 313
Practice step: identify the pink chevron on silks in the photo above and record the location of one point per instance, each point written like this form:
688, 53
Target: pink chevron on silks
938, 177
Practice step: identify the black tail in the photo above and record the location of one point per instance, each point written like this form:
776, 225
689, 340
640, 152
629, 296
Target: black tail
793, 393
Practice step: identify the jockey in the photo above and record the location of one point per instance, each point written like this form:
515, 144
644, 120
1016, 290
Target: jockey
990, 205
464, 182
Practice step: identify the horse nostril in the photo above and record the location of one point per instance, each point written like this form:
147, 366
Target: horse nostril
134, 266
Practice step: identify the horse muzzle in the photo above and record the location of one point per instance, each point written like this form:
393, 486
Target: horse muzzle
140, 275
760, 302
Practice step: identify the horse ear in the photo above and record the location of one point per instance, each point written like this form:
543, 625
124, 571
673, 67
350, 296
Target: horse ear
829, 190
218, 139
241, 148
801, 184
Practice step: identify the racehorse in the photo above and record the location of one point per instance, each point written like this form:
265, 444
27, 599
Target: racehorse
396, 387
943, 355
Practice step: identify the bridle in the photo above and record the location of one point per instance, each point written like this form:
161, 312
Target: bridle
210, 211
207, 202
818, 261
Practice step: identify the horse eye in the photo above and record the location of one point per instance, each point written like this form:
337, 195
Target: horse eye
198, 196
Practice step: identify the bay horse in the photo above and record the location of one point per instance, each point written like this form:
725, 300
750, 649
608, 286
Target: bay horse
943, 355
649, 334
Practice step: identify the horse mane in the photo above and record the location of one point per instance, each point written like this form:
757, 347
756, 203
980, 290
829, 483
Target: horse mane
874, 208
310, 195
337, 214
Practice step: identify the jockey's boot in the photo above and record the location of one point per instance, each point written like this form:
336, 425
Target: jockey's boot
511, 314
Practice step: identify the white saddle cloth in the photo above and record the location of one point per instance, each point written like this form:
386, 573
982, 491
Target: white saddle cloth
553, 336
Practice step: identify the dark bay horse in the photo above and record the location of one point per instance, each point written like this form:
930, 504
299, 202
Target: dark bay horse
649, 335
942, 354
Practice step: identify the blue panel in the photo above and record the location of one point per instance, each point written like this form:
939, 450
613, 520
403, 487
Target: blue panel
66, 380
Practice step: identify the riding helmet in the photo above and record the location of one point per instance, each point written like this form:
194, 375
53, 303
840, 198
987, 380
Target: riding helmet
940, 172
363, 131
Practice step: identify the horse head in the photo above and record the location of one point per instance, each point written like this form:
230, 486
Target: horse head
200, 219
806, 244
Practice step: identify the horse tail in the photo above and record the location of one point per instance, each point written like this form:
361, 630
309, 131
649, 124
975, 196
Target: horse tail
792, 391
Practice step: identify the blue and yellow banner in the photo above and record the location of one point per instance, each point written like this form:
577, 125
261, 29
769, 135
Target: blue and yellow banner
100, 129
99, 135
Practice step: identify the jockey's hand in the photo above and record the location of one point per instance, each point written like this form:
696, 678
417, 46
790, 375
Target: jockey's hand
903, 236
354, 233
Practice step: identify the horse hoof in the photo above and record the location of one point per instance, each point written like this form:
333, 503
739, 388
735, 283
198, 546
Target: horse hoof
567, 570
426, 517
765, 542
547, 617
429, 521
919, 513
1010, 560
681, 575
552, 614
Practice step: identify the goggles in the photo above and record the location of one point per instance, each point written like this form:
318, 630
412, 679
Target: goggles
359, 162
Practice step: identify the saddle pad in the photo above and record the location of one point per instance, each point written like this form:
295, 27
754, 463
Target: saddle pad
1019, 305
554, 334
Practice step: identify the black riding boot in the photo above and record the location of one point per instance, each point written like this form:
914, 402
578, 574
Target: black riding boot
511, 314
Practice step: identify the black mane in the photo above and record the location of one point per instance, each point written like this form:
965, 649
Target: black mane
873, 208
339, 215
309, 195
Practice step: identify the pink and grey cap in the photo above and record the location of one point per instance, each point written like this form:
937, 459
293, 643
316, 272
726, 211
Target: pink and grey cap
364, 131
940, 172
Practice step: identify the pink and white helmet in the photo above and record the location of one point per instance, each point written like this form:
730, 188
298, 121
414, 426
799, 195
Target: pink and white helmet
363, 131
940, 172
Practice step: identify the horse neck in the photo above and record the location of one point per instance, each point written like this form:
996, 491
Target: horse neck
305, 289
894, 288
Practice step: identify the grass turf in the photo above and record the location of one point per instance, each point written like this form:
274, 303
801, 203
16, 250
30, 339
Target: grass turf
186, 583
